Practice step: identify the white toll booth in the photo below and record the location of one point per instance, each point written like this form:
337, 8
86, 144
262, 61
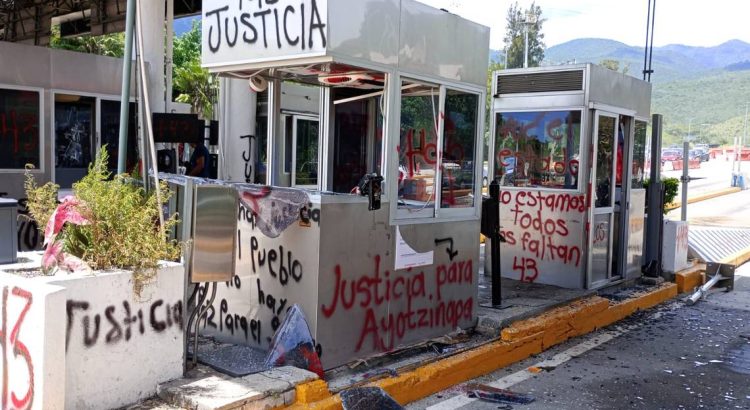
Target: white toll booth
569, 151
400, 88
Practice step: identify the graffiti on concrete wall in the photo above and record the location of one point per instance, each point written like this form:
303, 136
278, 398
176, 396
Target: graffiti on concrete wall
399, 302
17, 364
271, 275
544, 234
265, 25
29, 237
119, 323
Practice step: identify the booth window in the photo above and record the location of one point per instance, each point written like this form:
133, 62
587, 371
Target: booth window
74, 135
261, 136
110, 133
538, 149
357, 136
437, 150
459, 142
19, 129
639, 155
418, 147
305, 155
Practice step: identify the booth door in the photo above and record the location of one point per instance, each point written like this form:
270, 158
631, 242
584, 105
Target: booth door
75, 130
603, 177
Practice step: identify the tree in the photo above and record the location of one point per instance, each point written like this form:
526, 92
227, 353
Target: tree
192, 83
614, 65
111, 45
514, 35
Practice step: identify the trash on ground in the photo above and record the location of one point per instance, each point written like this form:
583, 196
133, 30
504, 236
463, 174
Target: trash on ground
293, 345
495, 395
366, 398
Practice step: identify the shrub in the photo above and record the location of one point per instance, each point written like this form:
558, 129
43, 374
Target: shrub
120, 223
671, 186
41, 200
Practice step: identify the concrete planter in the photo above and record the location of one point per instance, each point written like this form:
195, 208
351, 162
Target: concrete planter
675, 246
84, 341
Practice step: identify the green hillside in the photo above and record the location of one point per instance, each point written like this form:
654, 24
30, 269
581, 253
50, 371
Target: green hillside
709, 85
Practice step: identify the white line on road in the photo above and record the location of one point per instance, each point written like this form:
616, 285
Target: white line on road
594, 341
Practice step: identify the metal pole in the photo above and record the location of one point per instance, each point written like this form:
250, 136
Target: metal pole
703, 290
526, 44
742, 143
654, 211
685, 178
651, 46
645, 50
168, 58
122, 145
147, 116
495, 245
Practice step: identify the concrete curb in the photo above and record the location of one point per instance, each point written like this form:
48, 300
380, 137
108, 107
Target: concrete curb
517, 342
703, 197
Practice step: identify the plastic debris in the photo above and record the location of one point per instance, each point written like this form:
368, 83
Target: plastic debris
367, 398
495, 395
293, 345
534, 369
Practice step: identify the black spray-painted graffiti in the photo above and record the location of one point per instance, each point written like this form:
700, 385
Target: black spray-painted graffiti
247, 157
29, 237
309, 214
298, 27
161, 316
451, 253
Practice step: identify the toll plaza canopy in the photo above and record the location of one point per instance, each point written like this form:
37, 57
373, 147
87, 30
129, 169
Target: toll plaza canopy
363, 198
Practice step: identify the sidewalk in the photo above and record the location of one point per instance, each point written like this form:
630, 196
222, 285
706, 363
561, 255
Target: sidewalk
533, 318
537, 317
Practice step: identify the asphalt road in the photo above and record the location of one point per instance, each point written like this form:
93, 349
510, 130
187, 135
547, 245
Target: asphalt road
731, 210
674, 356
714, 175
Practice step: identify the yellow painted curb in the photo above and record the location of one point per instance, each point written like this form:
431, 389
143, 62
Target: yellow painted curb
738, 258
703, 197
688, 280
519, 341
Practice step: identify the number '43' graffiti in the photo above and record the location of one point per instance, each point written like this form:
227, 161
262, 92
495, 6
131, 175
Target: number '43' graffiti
15, 354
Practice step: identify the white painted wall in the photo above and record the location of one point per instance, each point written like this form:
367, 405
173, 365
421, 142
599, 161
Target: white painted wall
237, 119
37, 312
113, 358
675, 246
544, 231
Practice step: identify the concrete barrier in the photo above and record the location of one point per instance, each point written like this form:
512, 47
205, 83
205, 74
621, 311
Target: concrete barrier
87, 341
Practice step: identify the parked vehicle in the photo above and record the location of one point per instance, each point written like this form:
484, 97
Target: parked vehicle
700, 153
670, 155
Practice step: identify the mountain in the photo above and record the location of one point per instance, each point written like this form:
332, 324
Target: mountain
670, 62
702, 87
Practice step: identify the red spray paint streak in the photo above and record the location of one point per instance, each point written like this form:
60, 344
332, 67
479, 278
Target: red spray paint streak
14, 344
540, 228
24, 135
421, 311
682, 237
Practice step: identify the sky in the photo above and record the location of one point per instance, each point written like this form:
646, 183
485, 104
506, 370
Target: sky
689, 22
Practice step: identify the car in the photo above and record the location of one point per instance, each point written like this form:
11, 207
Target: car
700, 153
671, 155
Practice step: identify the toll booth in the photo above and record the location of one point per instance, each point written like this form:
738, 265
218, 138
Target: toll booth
367, 209
569, 150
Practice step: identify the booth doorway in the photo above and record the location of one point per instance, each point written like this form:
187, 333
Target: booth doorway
604, 179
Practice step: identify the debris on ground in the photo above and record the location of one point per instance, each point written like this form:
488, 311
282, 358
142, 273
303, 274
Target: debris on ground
495, 395
366, 398
293, 344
